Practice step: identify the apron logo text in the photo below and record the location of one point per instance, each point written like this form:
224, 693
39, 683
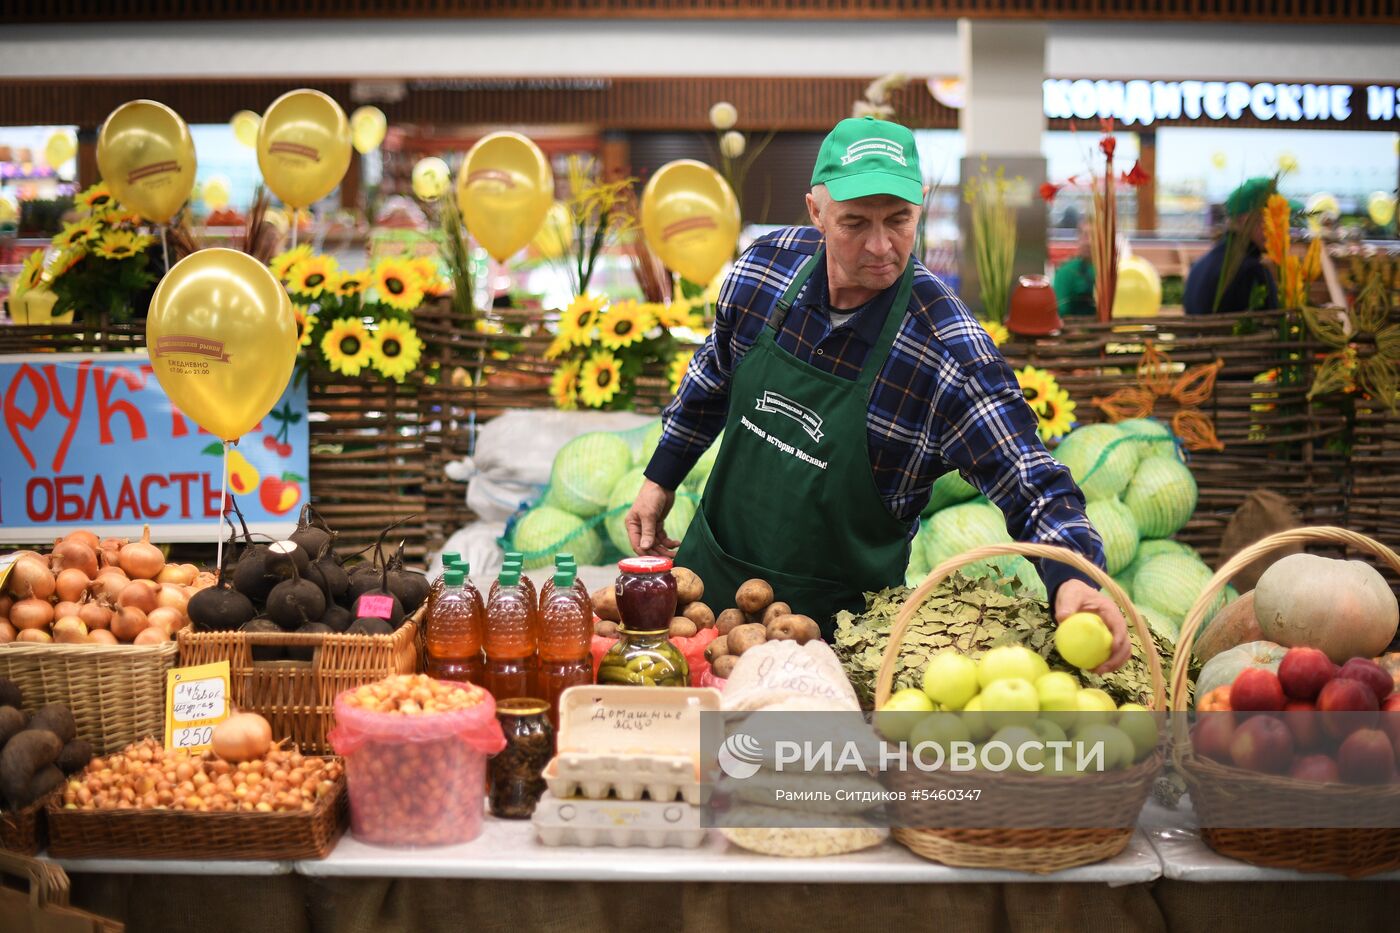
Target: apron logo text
782, 445
774, 403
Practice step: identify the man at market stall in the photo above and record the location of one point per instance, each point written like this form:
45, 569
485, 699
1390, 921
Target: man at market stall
846, 379
1211, 287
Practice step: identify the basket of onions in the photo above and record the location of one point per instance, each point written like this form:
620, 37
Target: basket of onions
91, 624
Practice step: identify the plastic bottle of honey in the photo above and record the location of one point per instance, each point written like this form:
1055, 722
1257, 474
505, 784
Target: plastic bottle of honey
567, 560
566, 633
450, 559
510, 641
454, 630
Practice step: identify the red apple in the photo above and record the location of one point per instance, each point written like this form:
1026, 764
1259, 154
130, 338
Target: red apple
1369, 673
1302, 719
1318, 768
1347, 705
1303, 671
1212, 734
1263, 744
1367, 757
1256, 690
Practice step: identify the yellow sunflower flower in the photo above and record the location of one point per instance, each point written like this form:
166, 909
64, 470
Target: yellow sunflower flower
1057, 415
600, 380
349, 284
117, 218
623, 324
118, 244
676, 371
563, 385
348, 346
283, 263
396, 349
396, 282
1036, 385
679, 313
579, 318
427, 269
96, 198
997, 332
31, 274
80, 231
557, 347
312, 277
306, 322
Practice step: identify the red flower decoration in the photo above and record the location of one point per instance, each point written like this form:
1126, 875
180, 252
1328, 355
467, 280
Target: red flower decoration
1135, 176
1107, 145
1048, 191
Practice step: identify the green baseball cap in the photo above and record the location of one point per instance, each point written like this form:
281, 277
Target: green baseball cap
864, 156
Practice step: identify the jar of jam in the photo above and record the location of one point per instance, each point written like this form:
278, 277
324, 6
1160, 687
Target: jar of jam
515, 775
644, 655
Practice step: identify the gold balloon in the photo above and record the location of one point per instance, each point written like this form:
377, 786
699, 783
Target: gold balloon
556, 234
1380, 207
505, 188
303, 147
146, 156
245, 125
367, 128
691, 219
59, 148
1139, 291
214, 192
431, 178
222, 340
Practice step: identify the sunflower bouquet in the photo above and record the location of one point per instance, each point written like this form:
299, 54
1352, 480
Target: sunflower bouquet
101, 262
603, 346
362, 320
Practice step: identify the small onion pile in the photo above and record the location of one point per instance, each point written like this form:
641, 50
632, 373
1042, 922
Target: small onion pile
105, 591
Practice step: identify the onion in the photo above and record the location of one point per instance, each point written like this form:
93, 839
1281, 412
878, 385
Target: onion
109, 557
95, 615
7, 633
6, 601
137, 594
169, 620
113, 544
101, 636
68, 553
152, 635
204, 579
182, 574
71, 584
85, 537
109, 585
65, 608
31, 614
173, 597
142, 560
242, 737
70, 630
128, 623
35, 635
30, 577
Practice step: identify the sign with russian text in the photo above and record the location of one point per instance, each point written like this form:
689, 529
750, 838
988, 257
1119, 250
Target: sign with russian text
91, 441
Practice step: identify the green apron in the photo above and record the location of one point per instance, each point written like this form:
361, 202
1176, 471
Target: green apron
792, 498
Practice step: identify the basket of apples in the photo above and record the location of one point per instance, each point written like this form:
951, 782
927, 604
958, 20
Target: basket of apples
1291, 754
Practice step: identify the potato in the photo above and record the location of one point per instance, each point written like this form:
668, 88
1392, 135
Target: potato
699, 613
681, 627
728, 620
689, 587
754, 596
723, 666
605, 603
798, 628
774, 611
605, 629
717, 648
744, 637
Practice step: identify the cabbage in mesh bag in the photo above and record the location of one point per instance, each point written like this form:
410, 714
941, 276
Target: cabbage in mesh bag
585, 471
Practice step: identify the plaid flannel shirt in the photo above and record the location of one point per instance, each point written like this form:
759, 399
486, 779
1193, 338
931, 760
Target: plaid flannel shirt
945, 399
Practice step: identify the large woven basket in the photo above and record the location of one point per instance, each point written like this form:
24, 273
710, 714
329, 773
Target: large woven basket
298, 697
116, 692
1115, 796
22, 831
1226, 797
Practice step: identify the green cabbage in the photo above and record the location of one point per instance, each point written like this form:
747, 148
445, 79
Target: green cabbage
949, 489
585, 471
1162, 496
1118, 529
546, 531
1101, 459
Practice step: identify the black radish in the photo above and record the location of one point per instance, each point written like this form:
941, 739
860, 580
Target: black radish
220, 608
312, 533
307, 652
337, 618
337, 582
250, 575
370, 627
264, 626
286, 559
296, 601
409, 586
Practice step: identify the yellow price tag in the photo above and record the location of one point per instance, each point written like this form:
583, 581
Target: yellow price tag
196, 700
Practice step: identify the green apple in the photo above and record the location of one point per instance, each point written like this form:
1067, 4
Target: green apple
1083, 640
975, 719
1048, 730
1010, 661
896, 718
1118, 749
1095, 706
950, 679
1015, 737
941, 729
1059, 697
1140, 725
1010, 702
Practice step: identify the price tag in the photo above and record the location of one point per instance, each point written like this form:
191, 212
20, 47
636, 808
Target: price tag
196, 700
374, 607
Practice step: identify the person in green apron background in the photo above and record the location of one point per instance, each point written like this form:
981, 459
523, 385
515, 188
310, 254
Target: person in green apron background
846, 378
1074, 279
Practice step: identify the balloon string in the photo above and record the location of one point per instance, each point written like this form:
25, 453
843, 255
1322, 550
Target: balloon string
294, 228
223, 507
164, 248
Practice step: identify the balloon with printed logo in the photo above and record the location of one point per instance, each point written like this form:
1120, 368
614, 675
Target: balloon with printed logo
245, 125
504, 188
691, 219
367, 128
146, 157
1380, 207
214, 192
303, 147
222, 340
431, 178
59, 148
556, 234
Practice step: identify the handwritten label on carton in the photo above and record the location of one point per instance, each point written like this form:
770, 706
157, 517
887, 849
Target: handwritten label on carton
196, 700
633, 720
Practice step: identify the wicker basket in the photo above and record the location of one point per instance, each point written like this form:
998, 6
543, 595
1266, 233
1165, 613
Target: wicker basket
1117, 796
298, 697
178, 834
116, 692
22, 831
1222, 794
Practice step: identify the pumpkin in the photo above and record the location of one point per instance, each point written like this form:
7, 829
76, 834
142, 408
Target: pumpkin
1343, 607
1217, 701
1221, 670
1232, 626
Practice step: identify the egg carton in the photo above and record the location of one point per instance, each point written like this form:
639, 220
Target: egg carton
577, 821
600, 775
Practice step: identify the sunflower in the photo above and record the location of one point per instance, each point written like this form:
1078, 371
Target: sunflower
397, 283
624, 324
80, 231
282, 264
429, 277
576, 323
396, 349
96, 198
997, 332
312, 277
557, 347
306, 323
1057, 416
1036, 384
31, 273
679, 313
676, 371
118, 244
349, 284
600, 379
348, 346
563, 385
